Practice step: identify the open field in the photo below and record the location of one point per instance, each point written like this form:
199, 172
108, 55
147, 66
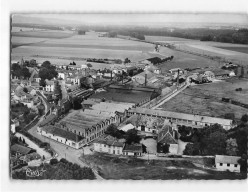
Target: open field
136, 169
238, 49
18, 29
86, 46
206, 99
236, 53
43, 34
20, 41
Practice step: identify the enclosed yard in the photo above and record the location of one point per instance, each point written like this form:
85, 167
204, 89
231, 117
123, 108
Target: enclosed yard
205, 99
111, 167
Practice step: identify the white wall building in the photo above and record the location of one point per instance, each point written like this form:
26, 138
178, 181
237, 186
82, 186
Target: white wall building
227, 163
65, 137
109, 145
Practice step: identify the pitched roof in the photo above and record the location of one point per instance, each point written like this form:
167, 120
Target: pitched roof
183, 116
20, 149
132, 148
227, 159
62, 133
47, 120
110, 141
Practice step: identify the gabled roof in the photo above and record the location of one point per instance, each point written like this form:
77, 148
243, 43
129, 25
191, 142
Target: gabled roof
227, 159
182, 116
20, 149
110, 141
62, 133
132, 148
48, 119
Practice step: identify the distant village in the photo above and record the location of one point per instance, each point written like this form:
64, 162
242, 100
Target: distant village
112, 111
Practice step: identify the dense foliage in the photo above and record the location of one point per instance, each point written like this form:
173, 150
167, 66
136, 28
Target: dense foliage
214, 140
62, 170
47, 71
20, 72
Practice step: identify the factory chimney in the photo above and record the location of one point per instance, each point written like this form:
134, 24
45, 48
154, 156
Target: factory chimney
178, 77
145, 79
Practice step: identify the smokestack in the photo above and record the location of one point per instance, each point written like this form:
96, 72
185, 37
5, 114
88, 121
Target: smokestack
111, 76
122, 76
177, 77
145, 79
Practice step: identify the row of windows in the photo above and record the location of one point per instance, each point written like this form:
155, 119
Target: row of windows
228, 164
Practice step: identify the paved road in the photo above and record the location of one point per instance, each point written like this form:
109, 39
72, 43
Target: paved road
63, 151
171, 96
63, 89
31, 144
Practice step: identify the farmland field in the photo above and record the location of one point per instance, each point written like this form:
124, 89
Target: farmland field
206, 99
236, 53
238, 49
79, 47
43, 34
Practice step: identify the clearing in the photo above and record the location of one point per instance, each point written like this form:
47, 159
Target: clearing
111, 167
205, 99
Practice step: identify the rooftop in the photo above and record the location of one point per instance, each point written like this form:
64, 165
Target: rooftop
132, 148
183, 116
47, 120
20, 149
62, 133
110, 141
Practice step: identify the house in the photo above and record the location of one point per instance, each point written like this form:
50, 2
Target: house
17, 150
127, 127
63, 136
36, 78
12, 124
132, 150
227, 163
191, 120
109, 145
49, 85
61, 75
167, 136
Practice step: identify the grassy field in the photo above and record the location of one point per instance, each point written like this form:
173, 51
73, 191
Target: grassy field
43, 34
236, 53
84, 46
206, 99
136, 169
238, 49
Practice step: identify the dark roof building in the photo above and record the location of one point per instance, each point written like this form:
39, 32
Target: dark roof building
134, 148
62, 133
21, 149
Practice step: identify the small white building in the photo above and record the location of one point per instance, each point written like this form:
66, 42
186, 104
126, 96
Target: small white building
227, 163
12, 127
49, 86
61, 75
109, 145
133, 150
127, 127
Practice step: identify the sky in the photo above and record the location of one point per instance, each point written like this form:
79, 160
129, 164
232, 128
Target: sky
114, 19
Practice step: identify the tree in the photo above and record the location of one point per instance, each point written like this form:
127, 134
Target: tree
42, 83
192, 149
126, 61
231, 147
215, 143
25, 90
242, 72
32, 63
23, 141
244, 118
53, 161
114, 131
132, 136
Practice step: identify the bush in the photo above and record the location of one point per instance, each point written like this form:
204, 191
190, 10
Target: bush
116, 160
64, 161
44, 145
53, 161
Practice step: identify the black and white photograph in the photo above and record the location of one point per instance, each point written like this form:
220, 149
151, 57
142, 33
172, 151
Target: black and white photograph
126, 96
